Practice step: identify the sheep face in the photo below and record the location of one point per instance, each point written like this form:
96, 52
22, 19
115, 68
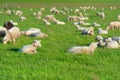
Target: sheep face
36, 43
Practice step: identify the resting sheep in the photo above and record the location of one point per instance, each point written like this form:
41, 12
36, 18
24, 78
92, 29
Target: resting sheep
83, 49
101, 31
31, 48
112, 44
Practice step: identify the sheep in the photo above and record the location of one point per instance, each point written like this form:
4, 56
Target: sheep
96, 24
101, 14
11, 35
83, 49
101, 43
82, 28
98, 38
30, 31
112, 44
118, 18
18, 13
101, 31
31, 48
59, 22
116, 38
9, 12
89, 31
22, 18
39, 34
113, 25
46, 22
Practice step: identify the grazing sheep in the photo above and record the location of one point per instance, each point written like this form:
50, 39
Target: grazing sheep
11, 35
112, 44
101, 14
31, 48
113, 25
83, 49
101, 31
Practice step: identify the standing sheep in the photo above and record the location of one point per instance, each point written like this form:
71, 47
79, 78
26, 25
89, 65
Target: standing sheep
11, 35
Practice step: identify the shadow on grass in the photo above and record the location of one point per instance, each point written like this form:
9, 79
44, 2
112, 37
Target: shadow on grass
14, 49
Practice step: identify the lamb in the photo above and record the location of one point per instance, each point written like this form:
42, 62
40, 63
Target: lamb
112, 44
31, 48
84, 49
113, 25
101, 31
11, 35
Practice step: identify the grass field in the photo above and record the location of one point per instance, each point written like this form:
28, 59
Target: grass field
63, 1
53, 62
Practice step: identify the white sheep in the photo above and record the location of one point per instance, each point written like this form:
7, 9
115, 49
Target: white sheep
46, 22
30, 31
101, 31
22, 18
11, 35
18, 13
83, 49
101, 14
31, 48
112, 44
96, 24
98, 38
59, 22
113, 25
89, 31
118, 18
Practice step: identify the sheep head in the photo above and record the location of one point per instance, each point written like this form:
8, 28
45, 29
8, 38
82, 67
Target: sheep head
36, 43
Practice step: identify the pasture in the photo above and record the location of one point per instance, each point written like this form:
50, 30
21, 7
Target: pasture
53, 62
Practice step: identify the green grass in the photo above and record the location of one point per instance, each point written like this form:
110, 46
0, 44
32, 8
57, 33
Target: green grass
62, 1
53, 62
